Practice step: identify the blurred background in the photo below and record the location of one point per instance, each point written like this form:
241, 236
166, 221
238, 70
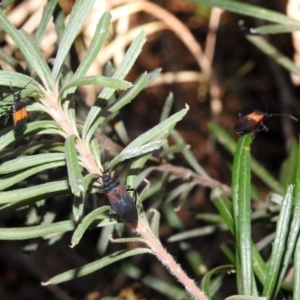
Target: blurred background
207, 63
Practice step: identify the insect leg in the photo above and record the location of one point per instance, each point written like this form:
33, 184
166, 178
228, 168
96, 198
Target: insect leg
8, 114
262, 127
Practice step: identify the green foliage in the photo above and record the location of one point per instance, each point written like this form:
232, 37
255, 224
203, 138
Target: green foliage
70, 148
52, 93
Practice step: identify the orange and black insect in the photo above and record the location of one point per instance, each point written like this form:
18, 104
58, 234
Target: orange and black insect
19, 112
254, 122
119, 199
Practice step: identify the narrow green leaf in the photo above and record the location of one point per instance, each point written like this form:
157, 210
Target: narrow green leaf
295, 228
166, 111
206, 281
85, 223
19, 80
275, 29
78, 16
171, 216
160, 131
224, 206
154, 224
187, 153
125, 66
74, 171
95, 46
35, 193
96, 265
25, 233
25, 162
249, 10
182, 189
69, 109
167, 107
95, 150
104, 241
34, 147
7, 135
12, 180
190, 234
241, 199
59, 22
102, 81
46, 17
78, 207
296, 284
262, 44
29, 49
288, 167
279, 243
241, 297
139, 150
126, 98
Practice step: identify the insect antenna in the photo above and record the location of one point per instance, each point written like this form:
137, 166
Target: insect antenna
23, 88
285, 115
276, 115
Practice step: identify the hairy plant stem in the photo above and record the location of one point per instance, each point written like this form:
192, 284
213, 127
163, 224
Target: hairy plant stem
168, 261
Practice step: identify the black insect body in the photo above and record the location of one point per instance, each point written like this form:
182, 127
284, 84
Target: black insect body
251, 122
19, 112
254, 122
121, 202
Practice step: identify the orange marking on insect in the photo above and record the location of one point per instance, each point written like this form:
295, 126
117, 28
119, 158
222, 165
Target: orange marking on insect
254, 122
20, 116
20, 120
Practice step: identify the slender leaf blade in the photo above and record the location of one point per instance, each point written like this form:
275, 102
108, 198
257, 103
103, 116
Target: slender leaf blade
241, 199
278, 249
25, 233
9, 181
95, 46
262, 44
29, 161
35, 193
74, 171
78, 15
96, 265
85, 223
140, 150
46, 17
29, 49
125, 66
102, 81
249, 10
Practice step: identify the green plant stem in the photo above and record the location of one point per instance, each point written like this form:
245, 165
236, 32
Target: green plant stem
58, 114
168, 261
